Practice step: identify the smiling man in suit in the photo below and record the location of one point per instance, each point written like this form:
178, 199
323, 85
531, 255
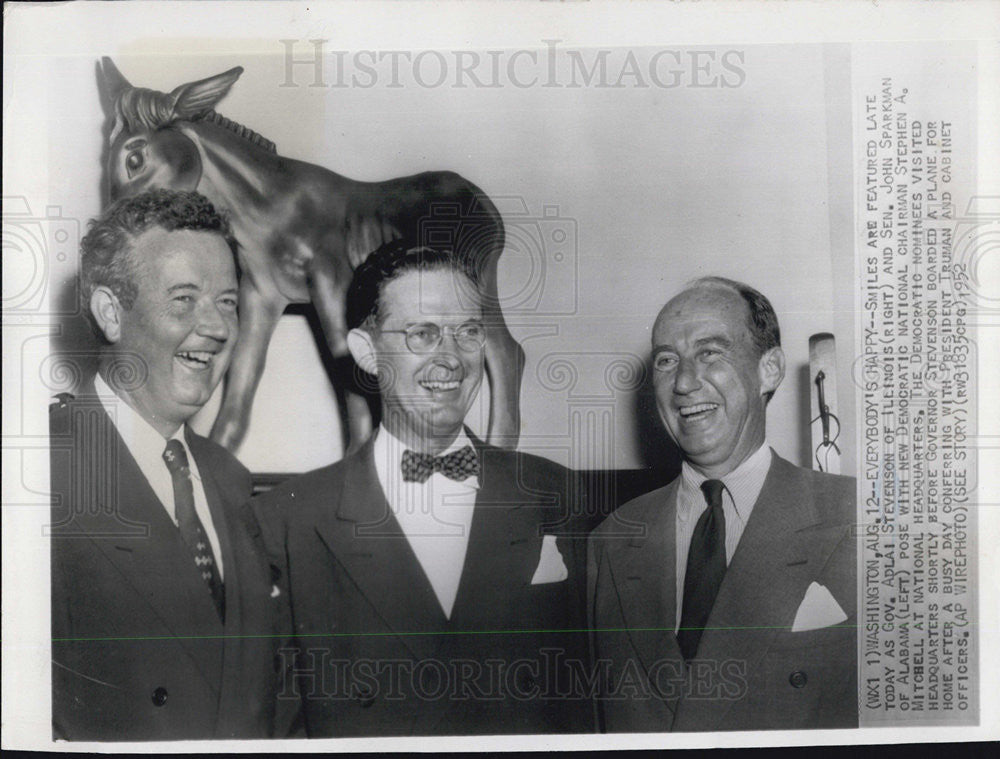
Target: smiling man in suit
426, 595
733, 607
166, 614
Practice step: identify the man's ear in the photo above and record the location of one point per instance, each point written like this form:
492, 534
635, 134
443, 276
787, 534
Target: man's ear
362, 348
107, 312
771, 370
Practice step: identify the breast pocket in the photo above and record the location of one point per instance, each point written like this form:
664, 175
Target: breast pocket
834, 635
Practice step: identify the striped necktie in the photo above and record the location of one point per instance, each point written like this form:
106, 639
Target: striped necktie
192, 531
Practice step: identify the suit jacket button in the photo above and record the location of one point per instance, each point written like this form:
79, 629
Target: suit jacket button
366, 697
798, 679
159, 697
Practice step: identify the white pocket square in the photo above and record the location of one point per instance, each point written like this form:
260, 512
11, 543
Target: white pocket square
551, 567
818, 609
275, 591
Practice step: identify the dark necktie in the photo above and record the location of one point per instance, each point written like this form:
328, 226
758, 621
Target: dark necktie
192, 531
706, 566
457, 465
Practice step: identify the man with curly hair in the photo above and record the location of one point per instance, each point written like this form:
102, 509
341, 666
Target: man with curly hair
166, 613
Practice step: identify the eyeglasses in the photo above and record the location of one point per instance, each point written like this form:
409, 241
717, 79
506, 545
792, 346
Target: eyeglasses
424, 338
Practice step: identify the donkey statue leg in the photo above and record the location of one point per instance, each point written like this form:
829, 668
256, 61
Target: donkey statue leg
258, 317
329, 278
504, 364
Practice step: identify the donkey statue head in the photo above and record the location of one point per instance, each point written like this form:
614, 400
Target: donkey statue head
301, 231
149, 144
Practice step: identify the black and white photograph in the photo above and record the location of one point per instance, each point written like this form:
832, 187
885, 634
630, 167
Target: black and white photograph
470, 375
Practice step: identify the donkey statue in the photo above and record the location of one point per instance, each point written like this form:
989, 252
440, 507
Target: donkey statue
302, 230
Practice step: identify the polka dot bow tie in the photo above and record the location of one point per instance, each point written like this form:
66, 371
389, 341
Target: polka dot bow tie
457, 465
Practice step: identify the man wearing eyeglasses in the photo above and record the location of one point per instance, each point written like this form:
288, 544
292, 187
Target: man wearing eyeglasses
427, 596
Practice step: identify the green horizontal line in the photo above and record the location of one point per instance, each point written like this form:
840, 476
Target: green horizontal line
433, 632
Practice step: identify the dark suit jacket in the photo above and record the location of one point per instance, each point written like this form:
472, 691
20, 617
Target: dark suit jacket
378, 657
138, 649
751, 672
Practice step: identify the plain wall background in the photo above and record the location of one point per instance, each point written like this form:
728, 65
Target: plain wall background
652, 186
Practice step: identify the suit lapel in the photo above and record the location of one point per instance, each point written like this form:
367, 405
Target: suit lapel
504, 547
643, 573
504, 543
219, 503
158, 565
365, 538
222, 508
763, 585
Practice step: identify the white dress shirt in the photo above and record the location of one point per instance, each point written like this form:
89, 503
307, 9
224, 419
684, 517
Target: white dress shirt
742, 487
147, 446
434, 515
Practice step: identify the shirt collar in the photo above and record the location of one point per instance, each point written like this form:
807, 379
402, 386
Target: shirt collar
743, 484
388, 451
138, 434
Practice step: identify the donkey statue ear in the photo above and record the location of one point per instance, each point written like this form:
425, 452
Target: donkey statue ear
110, 84
195, 98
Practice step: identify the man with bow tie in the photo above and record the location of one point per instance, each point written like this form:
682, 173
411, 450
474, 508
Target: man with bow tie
733, 605
429, 593
166, 614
